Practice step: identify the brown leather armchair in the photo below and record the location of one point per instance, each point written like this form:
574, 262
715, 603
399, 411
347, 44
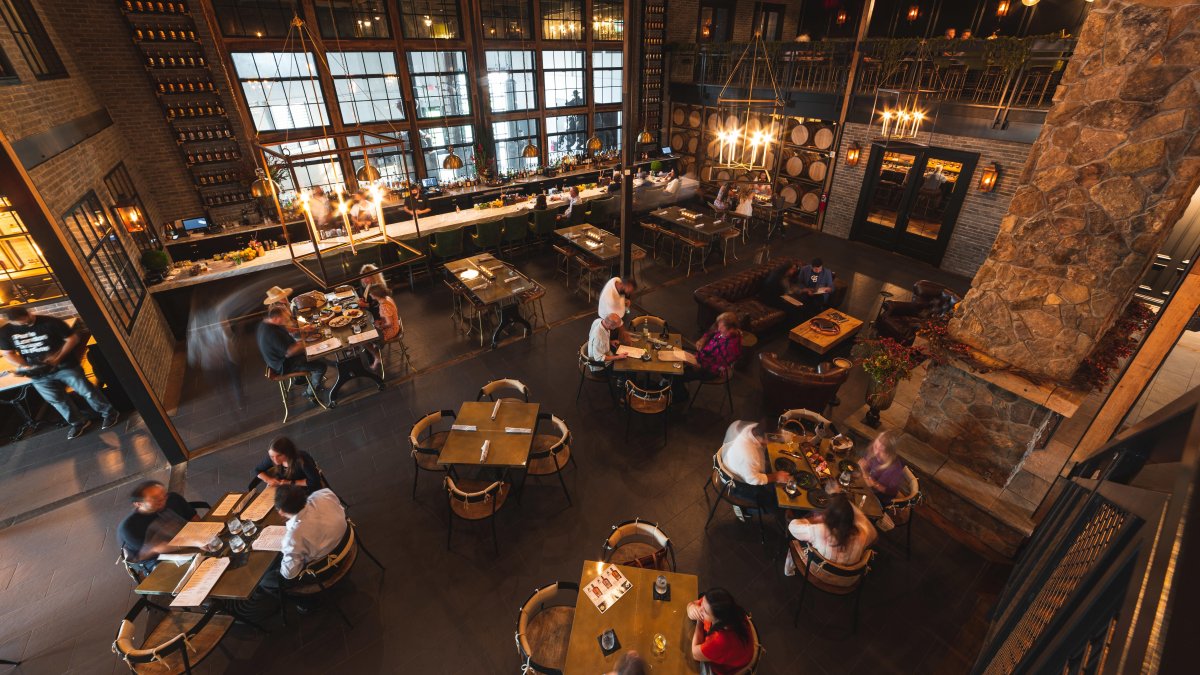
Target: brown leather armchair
739, 293
900, 320
787, 384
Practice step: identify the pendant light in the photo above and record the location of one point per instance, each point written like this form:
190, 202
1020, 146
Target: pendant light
645, 137
530, 151
367, 174
594, 144
452, 161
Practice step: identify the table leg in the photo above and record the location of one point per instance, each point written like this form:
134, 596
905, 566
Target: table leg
348, 369
508, 316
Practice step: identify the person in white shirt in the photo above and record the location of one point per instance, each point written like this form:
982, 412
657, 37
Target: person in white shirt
315, 526
616, 296
362, 212
600, 344
744, 454
573, 199
672, 186
841, 534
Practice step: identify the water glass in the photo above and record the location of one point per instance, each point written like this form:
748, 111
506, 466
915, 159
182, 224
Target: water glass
213, 545
235, 526
608, 640
249, 529
356, 327
237, 544
660, 584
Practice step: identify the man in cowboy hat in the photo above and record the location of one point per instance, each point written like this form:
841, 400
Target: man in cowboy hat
277, 295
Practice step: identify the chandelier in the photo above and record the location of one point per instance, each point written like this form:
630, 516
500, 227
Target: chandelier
748, 116
897, 114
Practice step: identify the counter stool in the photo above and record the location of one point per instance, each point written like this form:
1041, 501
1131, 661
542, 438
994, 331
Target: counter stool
565, 255
693, 246
285, 381
396, 344
590, 272
729, 240
536, 313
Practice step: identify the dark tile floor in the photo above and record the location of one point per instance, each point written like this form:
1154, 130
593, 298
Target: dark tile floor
454, 611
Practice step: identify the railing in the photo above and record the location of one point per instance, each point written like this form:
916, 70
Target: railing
1009, 73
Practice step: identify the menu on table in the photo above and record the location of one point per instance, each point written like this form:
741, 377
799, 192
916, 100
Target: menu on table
199, 581
261, 505
196, 534
226, 504
270, 538
607, 588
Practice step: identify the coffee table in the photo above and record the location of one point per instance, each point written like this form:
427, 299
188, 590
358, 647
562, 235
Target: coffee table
806, 336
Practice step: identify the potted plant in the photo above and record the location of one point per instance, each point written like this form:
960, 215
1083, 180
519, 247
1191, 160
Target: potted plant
156, 263
886, 363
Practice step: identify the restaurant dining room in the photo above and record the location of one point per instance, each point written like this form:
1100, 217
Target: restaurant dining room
598, 337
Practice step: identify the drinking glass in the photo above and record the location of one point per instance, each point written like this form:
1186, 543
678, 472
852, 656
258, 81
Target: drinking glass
235, 526
608, 640
660, 644
213, 544
249, 529
237, 544
660, 584
844, 479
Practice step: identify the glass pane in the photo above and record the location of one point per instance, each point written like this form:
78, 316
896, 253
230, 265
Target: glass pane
926, 217
562, 19
511, 80
608, 19
1179, 374
352, 18
884, 205
506, 19
436, 19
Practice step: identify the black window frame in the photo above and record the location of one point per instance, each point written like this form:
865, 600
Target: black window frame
495, 63
273, 17
7, 74
100, 245
32, 39
364, 24
452, 83
120, 187
503, 14
413, 15
368, 82
567, 25
17, 293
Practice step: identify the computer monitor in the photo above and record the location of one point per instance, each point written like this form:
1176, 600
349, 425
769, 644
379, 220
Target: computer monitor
666, 150
429, 182
193, 224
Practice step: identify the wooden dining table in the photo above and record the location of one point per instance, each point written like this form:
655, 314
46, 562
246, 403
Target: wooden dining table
593, 241
860, 494
344, 345
495, 283
237, 582
507, 449
656, 364
635, 618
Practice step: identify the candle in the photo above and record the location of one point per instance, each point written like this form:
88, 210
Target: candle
345, 211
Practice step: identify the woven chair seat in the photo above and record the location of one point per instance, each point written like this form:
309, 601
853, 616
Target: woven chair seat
427, 460
482, 509
201, 644
545, 466
719, 484
648, 406
548, 633
815, 575
337, 575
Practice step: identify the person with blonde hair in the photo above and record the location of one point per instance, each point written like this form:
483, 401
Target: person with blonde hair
716, 352
882, 468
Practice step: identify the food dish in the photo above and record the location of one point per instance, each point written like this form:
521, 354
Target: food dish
352, 313
825, 326
340, 321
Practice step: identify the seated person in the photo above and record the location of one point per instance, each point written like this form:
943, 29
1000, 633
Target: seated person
602, 343
841, 534
615, 184
744, 455
724, 199
286, 465
573, 199
316, 526
716, 351
722, 638
630, 663
882, 468
673, 183
368, 282
387, 321
783, 280
816, 281
285, 354
539, 202
158, 515
745, 205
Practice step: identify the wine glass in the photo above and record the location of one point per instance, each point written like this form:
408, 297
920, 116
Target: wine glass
660, 644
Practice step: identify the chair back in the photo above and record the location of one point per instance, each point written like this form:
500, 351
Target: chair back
587, 365
487, 234
125, 647
544, 221
516, 227
752, 667
134, 570
423, 428
447, 243
335, 562
508, 384
557, 594
901, 507
655, 324
798, 417
647, 401
489, 493
561, 430
637, 531
812, 559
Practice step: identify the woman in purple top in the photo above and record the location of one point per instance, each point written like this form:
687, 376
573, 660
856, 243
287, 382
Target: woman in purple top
882, 468
716, 352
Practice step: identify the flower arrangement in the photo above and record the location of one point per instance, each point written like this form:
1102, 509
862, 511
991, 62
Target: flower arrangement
1117, 344
886, 361
939, 347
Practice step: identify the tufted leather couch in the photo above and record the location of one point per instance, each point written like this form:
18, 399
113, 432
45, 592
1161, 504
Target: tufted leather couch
787, 384
900, 320
739, 293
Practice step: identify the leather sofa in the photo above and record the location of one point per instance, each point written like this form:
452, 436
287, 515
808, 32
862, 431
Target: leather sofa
739, 293
787, 384
900, 320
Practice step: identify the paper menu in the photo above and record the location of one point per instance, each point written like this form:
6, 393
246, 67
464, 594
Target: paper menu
261, 505
226, 505
607, 588
677, 355
362, 337
270, 538
631, 352
200, 581
196, 534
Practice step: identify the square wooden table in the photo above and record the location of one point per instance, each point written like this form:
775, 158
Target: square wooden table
805, 336
705, 223
236, 583
593, 241
655, 364
506, 450
491, 281
862, 496
635, 618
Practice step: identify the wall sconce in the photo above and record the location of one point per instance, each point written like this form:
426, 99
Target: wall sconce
841, 17
130, 215
853, 153
987, 179
1002, 9
914, 12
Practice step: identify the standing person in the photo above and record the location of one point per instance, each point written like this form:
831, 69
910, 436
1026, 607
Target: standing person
285, 354
882, 468
48, 351
816, 281
362, 212
722, 639
287, 465
322, 212
616, 296
158, 515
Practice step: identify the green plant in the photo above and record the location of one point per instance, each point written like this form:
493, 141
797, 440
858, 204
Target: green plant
656, 166
1117, 344
155, 260
886, 361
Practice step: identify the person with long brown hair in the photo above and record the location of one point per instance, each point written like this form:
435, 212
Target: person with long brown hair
841, 534
285, 464
722, 640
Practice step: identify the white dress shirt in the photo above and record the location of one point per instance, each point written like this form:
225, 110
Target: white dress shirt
744, 456
818, 535
312, 533
611, 300
599, 343
672, 186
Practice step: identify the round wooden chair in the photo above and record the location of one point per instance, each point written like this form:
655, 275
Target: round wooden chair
752, 667
903, 509
324, 573
427, 443
646, 402
639, 544
544, 628
505, 385
656, 324
815, 566
475, 500
180, 641
593, 371
723, 483
723, 379
550, 454
801, 420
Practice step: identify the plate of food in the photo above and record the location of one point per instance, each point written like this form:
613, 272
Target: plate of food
806, 480
847, 465
340, 321
824, 326
336, 309
784, 464
352, 313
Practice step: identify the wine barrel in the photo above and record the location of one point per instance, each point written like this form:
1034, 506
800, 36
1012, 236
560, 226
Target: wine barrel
678, 141
816, 169
822, 137
689, 167
799, 134
714, 121
714, 149
723, 174
694, 118
810, 201
731, 122
693, 143
794, 166
769, 160
678, 116
790, 195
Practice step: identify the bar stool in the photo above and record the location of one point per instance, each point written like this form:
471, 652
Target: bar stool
396, 344
693, 246
589, 272
536, 312
729, 240
566, 254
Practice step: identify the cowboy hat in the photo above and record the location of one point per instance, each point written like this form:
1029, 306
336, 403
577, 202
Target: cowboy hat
276, 294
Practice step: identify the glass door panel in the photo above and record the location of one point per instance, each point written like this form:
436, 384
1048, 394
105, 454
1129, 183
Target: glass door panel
936, 193
884, 203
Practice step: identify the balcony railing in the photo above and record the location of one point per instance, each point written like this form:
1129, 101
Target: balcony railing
1003, 73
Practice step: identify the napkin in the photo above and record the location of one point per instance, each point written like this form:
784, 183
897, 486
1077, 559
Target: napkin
496, 409
483, 451
464, 427
323, 346
518, 430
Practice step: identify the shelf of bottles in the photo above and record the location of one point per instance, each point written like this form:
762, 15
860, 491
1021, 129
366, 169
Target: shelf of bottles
191, 102
654, 24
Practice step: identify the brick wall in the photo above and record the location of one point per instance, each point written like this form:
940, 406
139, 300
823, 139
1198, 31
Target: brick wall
978, 220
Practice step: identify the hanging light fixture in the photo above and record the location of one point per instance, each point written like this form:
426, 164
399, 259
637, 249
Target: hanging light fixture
452, 161
900, 115
645, 137
749, 119
1002, 9
1030, 3
914, 11
263, 187
594, 144
841, 17
987, 179
530, 151
367, 174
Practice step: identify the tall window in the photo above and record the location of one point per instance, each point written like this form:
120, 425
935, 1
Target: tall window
562, 19
324, 172
608, 19
511, 139
506, 19
511, 80
769, 19
608, 129
714, 23
253, 18
281, 89
565, 135
32, 40
90, 231
564, 79
439, 83
120, 186
395, 163
429, 19
352, 18
606, 77
24, 276
436, 144
367, 85
7, 74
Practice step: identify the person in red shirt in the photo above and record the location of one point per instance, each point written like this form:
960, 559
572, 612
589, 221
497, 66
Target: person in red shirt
722, 638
